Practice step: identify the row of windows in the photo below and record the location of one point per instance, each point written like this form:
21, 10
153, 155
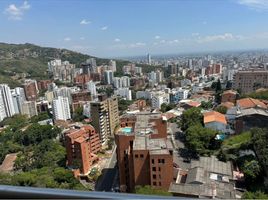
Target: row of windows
154, 176
159, 161
154, 169
137, 156
154, 183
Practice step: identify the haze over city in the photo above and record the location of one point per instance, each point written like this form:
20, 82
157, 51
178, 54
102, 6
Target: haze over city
130, 28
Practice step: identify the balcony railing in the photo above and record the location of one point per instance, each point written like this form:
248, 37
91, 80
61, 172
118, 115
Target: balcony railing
19, 192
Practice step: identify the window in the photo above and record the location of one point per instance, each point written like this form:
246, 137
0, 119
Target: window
159, 169
154, 176
163, 161
159, 176
154, 169
136, 155
152, 161
154, 183
141, 156
159, 183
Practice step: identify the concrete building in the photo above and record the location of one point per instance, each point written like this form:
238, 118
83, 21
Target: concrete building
229, 96
31, 90
158, 98
124, 93
61, 108
18, 97
91, 87
108, 77
121, 82
105, 116
149, 59
159, 76
144, 94
82, 146
112, 65
29, 108
249, 81
6, 103
63, 71
144, 155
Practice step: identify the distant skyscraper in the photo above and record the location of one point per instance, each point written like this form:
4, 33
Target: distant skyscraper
61, 109
149, 60
108, 77
6, 102
112, 65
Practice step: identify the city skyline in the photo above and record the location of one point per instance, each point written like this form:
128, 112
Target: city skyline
137, 27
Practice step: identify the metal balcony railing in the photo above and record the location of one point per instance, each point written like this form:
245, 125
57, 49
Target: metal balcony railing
19, 192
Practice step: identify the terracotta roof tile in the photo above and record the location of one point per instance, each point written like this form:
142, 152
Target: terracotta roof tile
250, 103
214, 116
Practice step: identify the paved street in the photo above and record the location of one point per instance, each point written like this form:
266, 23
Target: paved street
179, 147
107, 180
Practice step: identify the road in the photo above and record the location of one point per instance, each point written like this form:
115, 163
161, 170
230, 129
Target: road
175, 133
107, 180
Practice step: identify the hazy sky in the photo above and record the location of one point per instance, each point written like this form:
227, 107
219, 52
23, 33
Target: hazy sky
107, 28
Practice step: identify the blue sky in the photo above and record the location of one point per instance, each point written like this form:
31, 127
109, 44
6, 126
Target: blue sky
111, 28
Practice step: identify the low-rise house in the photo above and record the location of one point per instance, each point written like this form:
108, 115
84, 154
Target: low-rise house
215, 120
229, 96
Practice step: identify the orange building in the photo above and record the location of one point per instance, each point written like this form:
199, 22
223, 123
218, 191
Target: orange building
228, 96
144, 155
82, 145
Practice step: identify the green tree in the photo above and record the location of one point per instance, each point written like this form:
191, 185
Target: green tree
191, 117
221, 109
206, 105
200, 140
251, 169
78, 115
255, 195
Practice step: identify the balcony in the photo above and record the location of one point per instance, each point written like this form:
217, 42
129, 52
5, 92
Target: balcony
18, 192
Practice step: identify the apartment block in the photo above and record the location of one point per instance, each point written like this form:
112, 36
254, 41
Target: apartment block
29, 108
249, 81
31, 90
82, 145
144, 154
105, 118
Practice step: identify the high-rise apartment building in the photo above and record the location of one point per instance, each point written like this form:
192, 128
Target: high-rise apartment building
91, 87
144, 155
6, 102
18, 97
249, 81
104, 115
31, 90
82, 146
108, 77
149, 60
61, 109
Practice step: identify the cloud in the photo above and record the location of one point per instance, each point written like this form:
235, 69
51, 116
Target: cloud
85, 22
16, 12
117, 40
212, 38
104, 28
195, 34
258, 5
157, 37
137, 44
82, 38
67, 39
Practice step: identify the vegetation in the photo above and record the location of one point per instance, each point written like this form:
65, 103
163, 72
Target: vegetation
255, 195
151, 191
221, 109
123, 104
166, 107
78, 115
40, 117
257, 95
206, 105
191, 117
200, 140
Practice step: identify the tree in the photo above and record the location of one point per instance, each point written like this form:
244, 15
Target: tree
218, 86
221, 109
251, 169
166, 107
206, 105
255, 195
151, 191
200, 140
78, 115
191, 117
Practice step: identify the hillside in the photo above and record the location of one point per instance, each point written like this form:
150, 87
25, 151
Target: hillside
31, 60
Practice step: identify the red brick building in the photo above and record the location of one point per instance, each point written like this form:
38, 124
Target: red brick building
81, 96
82, 145
214, 69
43, 84
31, 90
144, 155
82, 79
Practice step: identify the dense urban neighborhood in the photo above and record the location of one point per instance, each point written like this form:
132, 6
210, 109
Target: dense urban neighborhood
189, 126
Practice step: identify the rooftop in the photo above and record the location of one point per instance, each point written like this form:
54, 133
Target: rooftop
8, 164
250, 103
214, 116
